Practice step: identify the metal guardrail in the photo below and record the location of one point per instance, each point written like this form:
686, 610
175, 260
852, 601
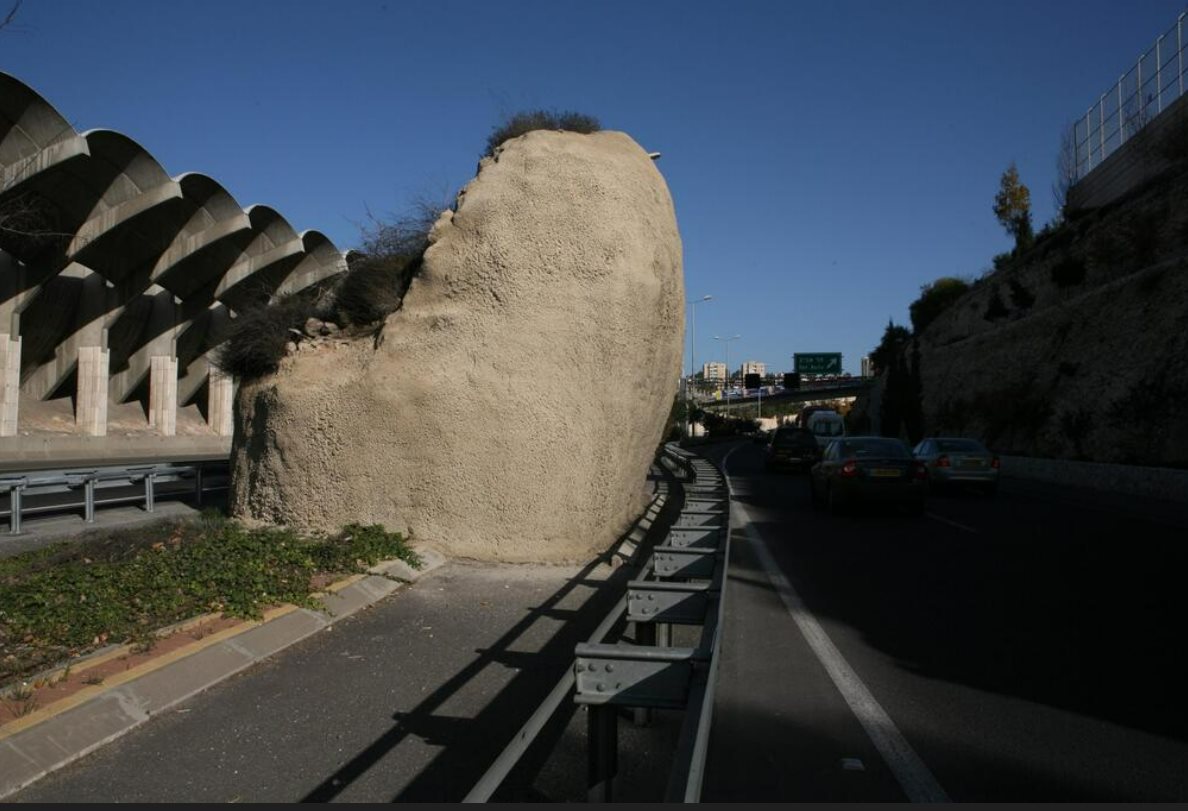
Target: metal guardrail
64, 491
682, 584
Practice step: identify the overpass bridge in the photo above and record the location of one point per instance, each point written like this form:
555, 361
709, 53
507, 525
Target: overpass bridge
118, 282
810, 393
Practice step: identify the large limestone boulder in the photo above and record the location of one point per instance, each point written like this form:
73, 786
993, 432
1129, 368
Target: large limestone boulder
510, 410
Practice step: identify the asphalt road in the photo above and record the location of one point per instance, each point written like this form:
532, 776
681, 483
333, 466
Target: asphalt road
1003, 648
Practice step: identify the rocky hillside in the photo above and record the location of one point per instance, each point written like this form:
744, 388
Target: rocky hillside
1075, 349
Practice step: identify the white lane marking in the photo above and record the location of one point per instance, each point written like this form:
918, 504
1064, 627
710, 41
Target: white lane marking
951, 523
914, 777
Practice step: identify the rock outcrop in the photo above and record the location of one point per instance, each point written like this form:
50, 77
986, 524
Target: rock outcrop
510, 410
1074, 351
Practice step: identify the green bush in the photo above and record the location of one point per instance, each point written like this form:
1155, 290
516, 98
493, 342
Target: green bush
256, 341
530, 120
934, 299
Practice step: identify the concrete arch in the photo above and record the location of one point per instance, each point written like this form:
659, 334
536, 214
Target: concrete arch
135, 216
322, 262
273, 253
214, 238
143, 274
33, 134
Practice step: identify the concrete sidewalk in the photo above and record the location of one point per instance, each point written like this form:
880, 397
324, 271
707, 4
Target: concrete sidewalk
49, 738
58, 734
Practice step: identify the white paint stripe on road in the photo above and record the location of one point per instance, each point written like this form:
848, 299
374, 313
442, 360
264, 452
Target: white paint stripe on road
951, 522
914, 776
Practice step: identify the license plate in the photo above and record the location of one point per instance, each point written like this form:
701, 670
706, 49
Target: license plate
884, 473
968, 463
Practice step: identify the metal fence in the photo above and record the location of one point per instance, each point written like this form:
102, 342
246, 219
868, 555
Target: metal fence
66, 491
1143, 92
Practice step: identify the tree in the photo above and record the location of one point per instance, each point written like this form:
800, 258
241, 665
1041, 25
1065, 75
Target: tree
894, 337
1012, 207
1066, 172
934, 299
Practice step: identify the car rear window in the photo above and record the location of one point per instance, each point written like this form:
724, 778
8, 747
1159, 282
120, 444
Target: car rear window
960, 445
874, 448
786, 439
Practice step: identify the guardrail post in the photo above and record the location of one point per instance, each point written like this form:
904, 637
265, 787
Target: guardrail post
14, 506
602, 735
645, 636
89, 503
198, 485
148, 490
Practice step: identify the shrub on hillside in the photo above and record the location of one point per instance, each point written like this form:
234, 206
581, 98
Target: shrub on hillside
530, 120
1021, 297
1068, 271
996, 308
934, 299
256, 342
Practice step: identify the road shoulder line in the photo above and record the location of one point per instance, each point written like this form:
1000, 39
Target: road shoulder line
909, 769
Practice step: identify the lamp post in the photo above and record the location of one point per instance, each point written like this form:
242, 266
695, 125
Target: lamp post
727, 342
692, 364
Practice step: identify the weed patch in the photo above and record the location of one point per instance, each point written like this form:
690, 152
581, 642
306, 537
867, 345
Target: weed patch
68, 600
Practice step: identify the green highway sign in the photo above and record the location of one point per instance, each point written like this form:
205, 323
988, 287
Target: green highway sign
817, 363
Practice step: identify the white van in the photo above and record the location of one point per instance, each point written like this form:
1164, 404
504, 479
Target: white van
826, 426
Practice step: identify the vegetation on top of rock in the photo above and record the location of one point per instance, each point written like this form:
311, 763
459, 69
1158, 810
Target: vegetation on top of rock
529, 120
256, 342
372, 288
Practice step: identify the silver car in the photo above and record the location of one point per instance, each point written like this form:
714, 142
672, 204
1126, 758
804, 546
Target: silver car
955, 461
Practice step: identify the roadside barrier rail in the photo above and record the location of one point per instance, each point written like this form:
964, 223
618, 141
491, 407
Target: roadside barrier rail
681, 583
64, 491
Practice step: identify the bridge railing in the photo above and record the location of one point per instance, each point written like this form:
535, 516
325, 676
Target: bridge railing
1154, 81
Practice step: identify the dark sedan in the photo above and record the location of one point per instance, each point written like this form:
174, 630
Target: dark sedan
957, 461
791, 449
856, 470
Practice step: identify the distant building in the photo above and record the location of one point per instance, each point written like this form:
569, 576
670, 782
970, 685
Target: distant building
866, 368
714, 372
752, 367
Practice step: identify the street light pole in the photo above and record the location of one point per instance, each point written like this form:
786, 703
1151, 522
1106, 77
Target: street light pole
692, 363
727, 342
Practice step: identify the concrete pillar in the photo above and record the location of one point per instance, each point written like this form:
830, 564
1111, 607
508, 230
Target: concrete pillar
163, 394
91, 406
10, 383
221, 388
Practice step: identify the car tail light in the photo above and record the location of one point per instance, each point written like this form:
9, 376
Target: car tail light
920, 470
849, 469
994, 463
942, 461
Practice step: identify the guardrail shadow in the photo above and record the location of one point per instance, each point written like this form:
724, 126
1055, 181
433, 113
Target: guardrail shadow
471, 744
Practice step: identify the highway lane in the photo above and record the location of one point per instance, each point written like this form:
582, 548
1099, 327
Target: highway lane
1022, 649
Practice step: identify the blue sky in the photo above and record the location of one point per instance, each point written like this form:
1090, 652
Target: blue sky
826, 159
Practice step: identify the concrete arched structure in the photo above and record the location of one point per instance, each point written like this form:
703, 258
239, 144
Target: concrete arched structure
117, 279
